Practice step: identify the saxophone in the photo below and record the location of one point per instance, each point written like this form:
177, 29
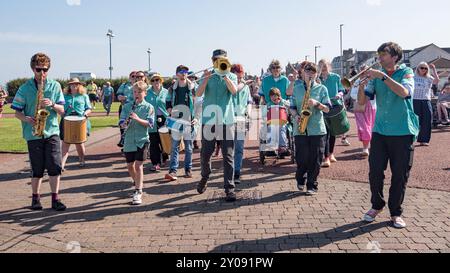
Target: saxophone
306, 111
40, 114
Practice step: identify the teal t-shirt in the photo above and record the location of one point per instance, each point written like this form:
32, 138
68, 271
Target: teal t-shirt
395, 115
126, 89
269, 82
25, 101
241, 100
316, 125
137, 135
333, 85
77, 104
108, 91
218, 107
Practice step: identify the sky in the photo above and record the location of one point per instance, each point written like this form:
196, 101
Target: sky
73, 32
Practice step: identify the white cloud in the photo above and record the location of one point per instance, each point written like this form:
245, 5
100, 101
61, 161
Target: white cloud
32, 38
73, 2
374, 2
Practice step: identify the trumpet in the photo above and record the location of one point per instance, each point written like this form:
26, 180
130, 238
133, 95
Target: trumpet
349, 83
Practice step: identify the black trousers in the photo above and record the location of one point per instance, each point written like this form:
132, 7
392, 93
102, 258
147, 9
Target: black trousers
309, 156
424, 111
399, 152
156, 146
330, 143
225, 136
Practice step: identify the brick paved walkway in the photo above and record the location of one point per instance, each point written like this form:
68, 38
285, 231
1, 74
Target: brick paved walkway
270, 216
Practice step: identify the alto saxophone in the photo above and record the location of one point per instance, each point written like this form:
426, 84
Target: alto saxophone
40, 114
306, 112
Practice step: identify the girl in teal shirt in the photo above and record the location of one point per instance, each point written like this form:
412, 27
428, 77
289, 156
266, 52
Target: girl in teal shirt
77, 104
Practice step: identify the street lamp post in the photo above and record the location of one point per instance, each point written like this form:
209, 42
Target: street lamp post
110, 35
149, 60
342, 52
315, 53
306, 57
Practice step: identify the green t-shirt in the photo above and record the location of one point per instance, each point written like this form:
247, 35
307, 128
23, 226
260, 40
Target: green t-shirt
126, 90
25, 101
269, 82
241, 100
77, 104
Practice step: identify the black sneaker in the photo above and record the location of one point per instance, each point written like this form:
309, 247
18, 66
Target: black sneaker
301, 187
36, 204
237, 179
202, 186
58, 205
231, 197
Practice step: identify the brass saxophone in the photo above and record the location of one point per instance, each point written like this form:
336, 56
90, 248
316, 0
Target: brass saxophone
306, 112
40, 114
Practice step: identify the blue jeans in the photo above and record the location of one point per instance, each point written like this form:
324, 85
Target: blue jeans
174, 158
107, 101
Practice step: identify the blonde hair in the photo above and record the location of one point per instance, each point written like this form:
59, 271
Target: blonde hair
80, 88
428, 75
141, 86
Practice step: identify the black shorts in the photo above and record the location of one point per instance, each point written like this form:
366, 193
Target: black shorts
93, 97
45, 154
139, 155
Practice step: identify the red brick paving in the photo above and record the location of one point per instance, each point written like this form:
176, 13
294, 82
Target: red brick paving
270, 216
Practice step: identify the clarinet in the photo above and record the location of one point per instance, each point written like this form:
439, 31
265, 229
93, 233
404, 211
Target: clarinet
127, 124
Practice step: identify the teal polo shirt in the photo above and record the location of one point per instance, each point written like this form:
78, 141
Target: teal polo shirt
395, 115
108, 91
158, 101
241, 100
25, 102
126, 89
333, 84
217, 98
137, 135
269, 82
77, 104
316, 125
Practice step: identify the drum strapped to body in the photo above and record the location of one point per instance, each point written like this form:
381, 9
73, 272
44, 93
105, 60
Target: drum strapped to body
75, 130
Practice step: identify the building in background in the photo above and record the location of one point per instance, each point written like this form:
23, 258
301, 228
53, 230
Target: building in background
83, 76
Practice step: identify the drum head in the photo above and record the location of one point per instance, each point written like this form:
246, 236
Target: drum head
163, 130
74, 118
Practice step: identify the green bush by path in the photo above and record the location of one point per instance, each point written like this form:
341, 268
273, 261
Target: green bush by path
11, 140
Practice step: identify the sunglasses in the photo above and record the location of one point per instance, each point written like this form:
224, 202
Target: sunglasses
39, 70
139, 76
183, 72
276, 67
157, 80
424, 68
308, 69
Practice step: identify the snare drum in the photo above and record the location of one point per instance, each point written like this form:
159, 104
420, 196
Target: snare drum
177, 125
277, 115
75, 130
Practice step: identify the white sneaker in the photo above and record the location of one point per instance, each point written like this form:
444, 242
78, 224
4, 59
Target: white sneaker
398, 222
345, 142
365, 152
137, 198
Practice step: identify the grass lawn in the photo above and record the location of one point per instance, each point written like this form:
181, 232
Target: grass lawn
99, 108
11, 132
